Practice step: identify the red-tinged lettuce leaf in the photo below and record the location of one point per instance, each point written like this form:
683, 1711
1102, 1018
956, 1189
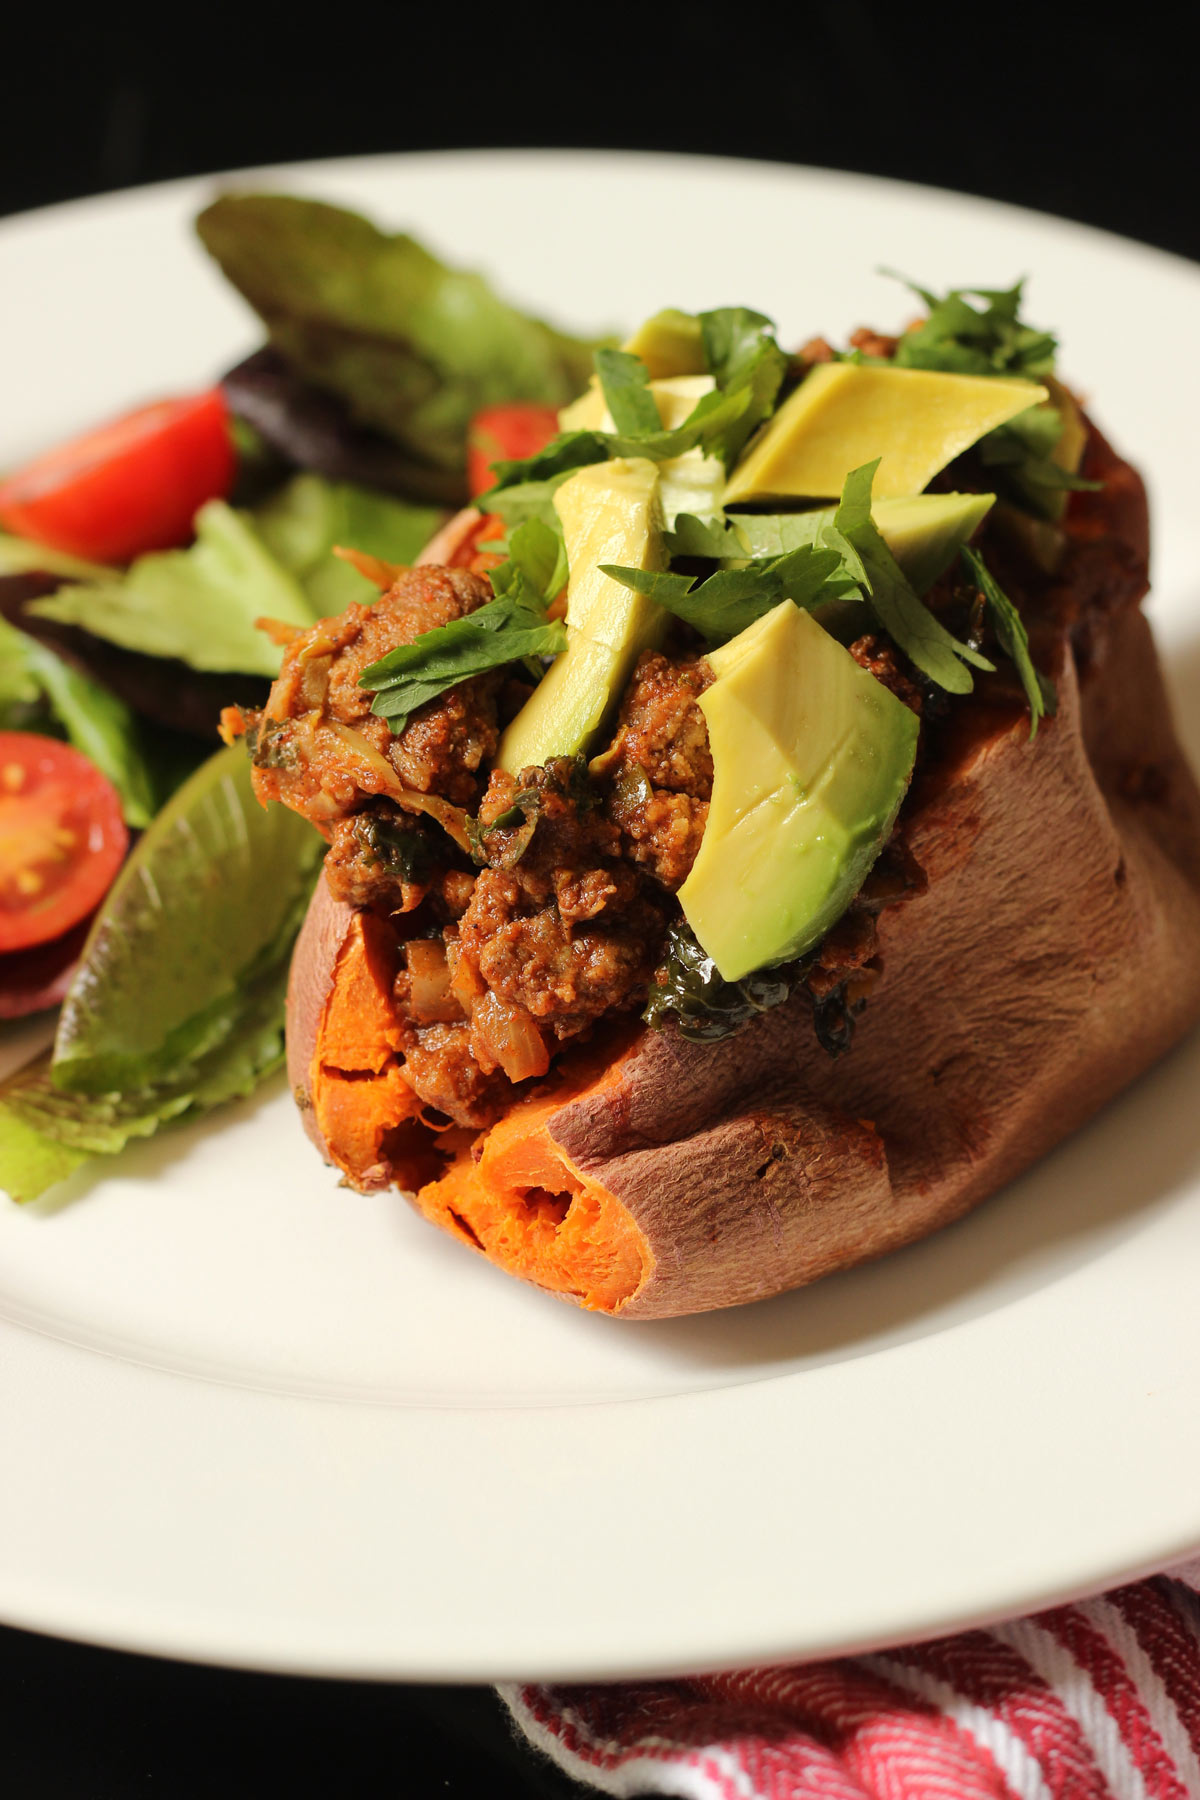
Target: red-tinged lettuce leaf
316, 430
413, 348
36, 979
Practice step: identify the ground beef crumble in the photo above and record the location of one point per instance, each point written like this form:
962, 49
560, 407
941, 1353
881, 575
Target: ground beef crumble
660, 768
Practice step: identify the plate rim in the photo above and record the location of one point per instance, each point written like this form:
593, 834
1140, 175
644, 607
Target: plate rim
161, 1640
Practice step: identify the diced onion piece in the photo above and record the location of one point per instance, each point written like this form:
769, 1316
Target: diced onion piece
430, 1001
504, 1035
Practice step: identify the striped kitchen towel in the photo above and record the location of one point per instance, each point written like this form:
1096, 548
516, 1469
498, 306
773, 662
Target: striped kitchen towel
1095, 1701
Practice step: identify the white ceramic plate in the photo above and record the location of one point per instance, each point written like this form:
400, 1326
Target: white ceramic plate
250, 1418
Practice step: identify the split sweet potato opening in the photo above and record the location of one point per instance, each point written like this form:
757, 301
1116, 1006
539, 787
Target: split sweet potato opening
510, 1191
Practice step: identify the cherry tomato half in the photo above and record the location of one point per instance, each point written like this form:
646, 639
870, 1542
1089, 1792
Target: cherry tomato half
127, 487
506, 434
62, 838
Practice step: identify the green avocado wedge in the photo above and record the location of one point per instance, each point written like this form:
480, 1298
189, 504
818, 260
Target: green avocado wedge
203, 910
811, 759
842, 415
611, 512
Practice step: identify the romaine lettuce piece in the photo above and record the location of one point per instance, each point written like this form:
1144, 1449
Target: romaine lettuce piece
208, 903
414, 348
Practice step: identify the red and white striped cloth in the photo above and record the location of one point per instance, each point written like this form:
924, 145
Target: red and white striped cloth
1095, 1701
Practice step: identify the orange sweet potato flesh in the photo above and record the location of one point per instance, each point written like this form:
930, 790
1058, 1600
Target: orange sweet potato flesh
1053, 955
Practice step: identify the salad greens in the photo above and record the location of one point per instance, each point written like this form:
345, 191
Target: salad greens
198, 604
272, 561
46, 1133
41, 692
212, 891
414, 347
211, 900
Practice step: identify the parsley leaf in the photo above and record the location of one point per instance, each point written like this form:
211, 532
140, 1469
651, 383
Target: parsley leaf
1009, 627
963, 339
744, 360
625, 380
718, 539
905, 618
1024, 450
511, 628
733, 598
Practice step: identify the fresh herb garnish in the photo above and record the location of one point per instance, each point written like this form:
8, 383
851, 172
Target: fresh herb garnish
732, 599
743, 358
988, 339
906, 619
841, 556
511, 628
748, 367
718, 540
625, 381
1023, 453
1009, 628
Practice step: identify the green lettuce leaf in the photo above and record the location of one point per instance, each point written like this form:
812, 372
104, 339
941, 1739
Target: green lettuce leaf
208, 903
198, 604
46, 1132
275, 561
20, 556
301, 523
413, 347
38, 690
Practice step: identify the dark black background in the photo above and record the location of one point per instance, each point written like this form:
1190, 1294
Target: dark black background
1046, 106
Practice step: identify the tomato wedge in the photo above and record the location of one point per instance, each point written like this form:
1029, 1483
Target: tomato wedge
506, 434
62, 838
129, 486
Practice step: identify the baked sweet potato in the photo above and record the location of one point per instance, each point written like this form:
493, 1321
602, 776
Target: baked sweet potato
1052, 954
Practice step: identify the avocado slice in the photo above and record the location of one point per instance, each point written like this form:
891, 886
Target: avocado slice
671, 343
924, 532
844, 414
610, 513
811, 759
690, 483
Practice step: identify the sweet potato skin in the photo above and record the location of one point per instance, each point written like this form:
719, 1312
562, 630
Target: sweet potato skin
310, 982
1052, 956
